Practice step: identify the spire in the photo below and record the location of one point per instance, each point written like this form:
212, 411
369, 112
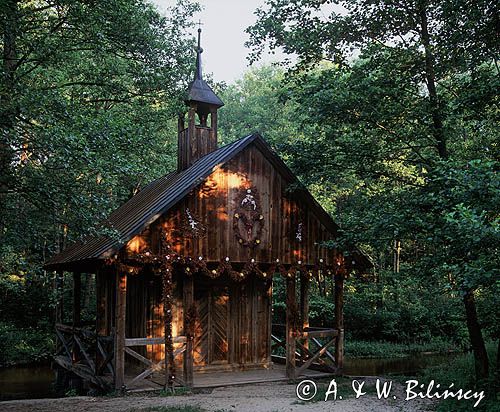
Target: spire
198, 74
199, 91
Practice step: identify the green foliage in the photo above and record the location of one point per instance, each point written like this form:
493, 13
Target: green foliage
87, 118
71, 393
458, 372
23, 345
404, 151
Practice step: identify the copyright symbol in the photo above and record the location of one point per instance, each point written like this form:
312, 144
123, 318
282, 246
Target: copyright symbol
306, 390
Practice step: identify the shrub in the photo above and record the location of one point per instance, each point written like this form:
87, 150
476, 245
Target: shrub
24, 345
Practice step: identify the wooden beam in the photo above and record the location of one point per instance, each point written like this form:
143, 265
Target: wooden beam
291, 309
77, 299
59, 314
120, 311
59, 286
77, 310
152, 341
339, 318
320, 333
106, 360
188, 300
304, 305
315, 356
138, 356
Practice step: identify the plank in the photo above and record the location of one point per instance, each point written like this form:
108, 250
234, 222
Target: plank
152, 341
138, 356
83, 351
315, 356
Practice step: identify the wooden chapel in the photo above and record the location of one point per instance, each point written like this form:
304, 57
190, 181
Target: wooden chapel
185, 286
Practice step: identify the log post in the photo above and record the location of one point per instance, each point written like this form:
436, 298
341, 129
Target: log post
291, 313
59, 314
77, 299
339, 318
188, 301
304, 304
59, 286
77, 310
120, 311
167, 327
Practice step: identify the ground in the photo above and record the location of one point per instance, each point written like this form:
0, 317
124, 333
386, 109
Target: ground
267, 397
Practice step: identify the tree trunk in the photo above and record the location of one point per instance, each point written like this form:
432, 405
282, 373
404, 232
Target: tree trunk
7, 98
430, 78
498, 366
476, 337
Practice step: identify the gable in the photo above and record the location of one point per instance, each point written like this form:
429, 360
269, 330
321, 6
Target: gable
289, 228
169, 194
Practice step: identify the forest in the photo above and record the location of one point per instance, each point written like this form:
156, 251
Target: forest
388, 113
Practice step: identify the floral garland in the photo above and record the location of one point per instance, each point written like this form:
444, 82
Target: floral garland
167, 294
167, 311
191, 226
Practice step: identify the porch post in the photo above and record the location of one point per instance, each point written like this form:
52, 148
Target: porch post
59, 292
304, 304
339, 317
291, 313
77, 299
188, 291
120, 310
77, 310
59, 315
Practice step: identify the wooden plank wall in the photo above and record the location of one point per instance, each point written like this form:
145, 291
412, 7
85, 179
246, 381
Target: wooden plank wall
214, 204
248, 304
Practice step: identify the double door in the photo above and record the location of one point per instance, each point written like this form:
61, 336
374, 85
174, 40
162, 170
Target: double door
233, 322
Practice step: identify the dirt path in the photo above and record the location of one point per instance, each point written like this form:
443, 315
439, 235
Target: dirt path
256, 398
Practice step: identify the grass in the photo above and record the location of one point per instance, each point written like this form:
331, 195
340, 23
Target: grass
460, 372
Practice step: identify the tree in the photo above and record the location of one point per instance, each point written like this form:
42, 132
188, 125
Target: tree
89, 94
398, 118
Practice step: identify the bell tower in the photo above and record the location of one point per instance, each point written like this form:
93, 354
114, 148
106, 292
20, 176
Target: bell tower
200, 136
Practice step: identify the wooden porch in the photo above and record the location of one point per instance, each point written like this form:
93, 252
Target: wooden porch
205, 380
117, 361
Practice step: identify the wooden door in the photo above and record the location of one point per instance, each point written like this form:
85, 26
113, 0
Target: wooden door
212, 324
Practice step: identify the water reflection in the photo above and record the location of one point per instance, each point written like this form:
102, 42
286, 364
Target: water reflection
27, 382
402, 366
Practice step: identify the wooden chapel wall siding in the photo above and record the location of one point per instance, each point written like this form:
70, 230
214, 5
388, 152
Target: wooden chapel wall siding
213, 204
154, 325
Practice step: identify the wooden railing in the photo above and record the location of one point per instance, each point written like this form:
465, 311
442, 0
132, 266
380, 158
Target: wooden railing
315, 348
152, 367
84, 353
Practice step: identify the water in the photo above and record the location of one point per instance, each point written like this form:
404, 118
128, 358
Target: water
31, 382
384, 366
27, 382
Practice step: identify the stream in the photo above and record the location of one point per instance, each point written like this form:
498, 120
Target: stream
33, 382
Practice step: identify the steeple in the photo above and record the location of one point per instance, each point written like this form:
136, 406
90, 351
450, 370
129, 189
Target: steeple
200, 136
199, 91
